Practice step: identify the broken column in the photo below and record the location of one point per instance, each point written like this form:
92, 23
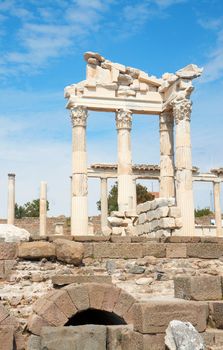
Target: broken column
104, 203
183, 161
125, 183
79, 205
43, 208
11, 199
167, 188
217, 207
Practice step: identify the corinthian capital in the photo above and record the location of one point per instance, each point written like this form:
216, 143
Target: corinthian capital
79, 116
124, 119
182, 110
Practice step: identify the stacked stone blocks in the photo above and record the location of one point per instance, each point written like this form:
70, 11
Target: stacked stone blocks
158, 217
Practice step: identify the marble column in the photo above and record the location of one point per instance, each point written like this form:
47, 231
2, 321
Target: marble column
104, 203
183, 162
217, 207
167, 186
125, 184
79, 205
134, 194
11, 199
43, 208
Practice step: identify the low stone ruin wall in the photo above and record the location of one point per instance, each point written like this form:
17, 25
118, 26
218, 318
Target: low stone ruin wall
170, 278
31, 224
158, 217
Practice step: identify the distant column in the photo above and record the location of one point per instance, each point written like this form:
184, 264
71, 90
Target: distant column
134, 194
167, 187
104, 203
79, 205
217, 207
43, 209
11, 199
125, 184
184, 181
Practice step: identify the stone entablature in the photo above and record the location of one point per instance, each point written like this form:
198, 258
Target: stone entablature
109, 85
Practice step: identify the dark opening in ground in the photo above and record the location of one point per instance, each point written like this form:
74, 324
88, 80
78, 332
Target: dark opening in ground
93, 316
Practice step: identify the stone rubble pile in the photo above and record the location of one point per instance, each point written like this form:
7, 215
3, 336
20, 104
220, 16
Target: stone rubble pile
123, 223
158, 217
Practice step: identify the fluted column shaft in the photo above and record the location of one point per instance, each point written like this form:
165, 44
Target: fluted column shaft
167, 186
217, 207
104, 203
43, 208
79, 205
11, 199
125, 183
183, 162
134, 194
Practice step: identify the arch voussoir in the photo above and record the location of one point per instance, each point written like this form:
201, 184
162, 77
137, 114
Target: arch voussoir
57, 307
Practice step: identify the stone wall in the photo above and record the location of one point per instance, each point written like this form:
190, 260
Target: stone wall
32, 224
138, 268
158, 217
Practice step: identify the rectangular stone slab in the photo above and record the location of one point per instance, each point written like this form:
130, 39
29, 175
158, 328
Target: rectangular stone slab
87, 337
6, 337
198, 287
154, 316
61, 280
205, 250
117, 250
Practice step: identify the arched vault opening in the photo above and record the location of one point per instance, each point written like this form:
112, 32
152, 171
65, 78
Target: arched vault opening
97, 317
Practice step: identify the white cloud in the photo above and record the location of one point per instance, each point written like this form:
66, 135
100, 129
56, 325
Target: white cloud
213, 68
46, 31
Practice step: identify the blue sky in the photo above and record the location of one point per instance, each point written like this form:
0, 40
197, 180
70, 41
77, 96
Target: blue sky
42, 44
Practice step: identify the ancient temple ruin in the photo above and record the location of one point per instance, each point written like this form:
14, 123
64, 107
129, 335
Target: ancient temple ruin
113, 87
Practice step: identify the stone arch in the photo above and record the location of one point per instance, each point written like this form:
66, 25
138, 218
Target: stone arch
58, 306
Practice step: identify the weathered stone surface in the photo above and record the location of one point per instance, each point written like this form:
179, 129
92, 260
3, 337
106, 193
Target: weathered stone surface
122, 239
154, 249
110, 298
91, 238
216, 313
61, 280
183, 239
36, 250
52, 238
7, 251
79, 295
63, 301
198, 287
122, 337
154, 316
204, 250
3, 313
11, 233
69, 252
124, 303
34, 343
86, 337
50, 312
35, 324
213, 337
183, 336
117, 250
153, 342
176, 250
6, 337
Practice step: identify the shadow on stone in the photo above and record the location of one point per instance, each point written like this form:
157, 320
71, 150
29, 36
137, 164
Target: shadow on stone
97, 317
